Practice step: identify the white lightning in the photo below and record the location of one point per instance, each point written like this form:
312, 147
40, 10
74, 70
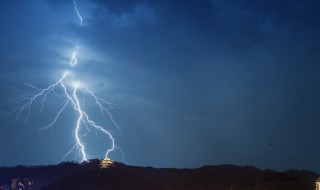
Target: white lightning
71, 98
77, 11
70, 94
102, 105
43, 93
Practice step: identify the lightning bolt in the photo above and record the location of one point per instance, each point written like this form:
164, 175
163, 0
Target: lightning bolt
77, 11
71, 98
70, 94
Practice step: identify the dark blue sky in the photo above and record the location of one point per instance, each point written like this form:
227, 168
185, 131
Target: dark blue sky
197, 81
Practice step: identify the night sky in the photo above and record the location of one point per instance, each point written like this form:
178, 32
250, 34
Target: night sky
196, 82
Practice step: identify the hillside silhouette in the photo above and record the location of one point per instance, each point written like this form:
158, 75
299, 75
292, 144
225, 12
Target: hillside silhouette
89, 176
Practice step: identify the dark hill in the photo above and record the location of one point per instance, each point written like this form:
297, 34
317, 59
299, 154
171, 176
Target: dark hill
88, 176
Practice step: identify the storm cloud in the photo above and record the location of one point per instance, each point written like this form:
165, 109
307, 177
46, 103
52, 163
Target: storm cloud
198, 82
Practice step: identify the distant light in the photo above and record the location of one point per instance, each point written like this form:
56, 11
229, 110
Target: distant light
106, 163
318, 184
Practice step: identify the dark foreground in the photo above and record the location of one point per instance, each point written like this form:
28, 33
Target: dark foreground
90, 176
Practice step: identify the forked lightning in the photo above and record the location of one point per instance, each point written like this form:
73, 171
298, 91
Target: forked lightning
70, 94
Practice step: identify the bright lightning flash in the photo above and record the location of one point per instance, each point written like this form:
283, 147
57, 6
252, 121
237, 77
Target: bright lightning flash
70, 93
71, 98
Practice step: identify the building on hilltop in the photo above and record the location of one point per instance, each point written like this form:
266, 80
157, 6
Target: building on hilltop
106, 163
318, 184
